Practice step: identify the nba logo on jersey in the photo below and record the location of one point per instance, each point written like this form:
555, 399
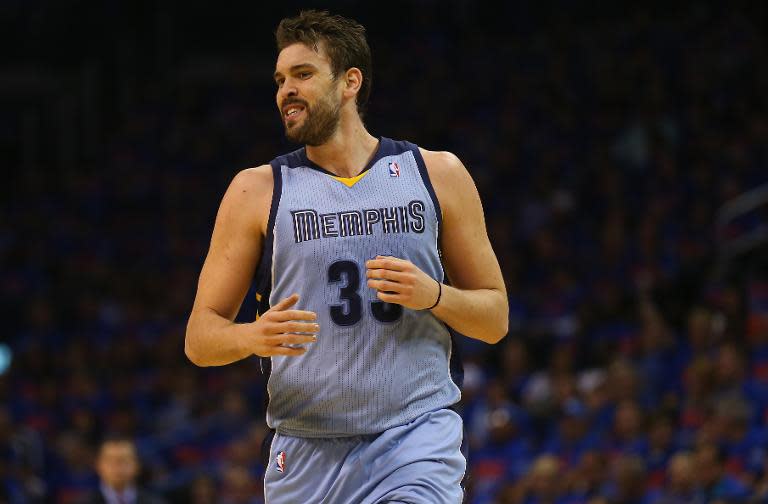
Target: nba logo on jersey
394, 169
280, 460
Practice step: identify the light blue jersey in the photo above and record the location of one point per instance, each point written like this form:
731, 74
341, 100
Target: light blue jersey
375, 365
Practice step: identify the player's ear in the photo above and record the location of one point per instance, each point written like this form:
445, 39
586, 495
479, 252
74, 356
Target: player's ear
353, 80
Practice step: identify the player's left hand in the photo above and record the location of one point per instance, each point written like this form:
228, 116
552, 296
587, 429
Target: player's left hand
401, 282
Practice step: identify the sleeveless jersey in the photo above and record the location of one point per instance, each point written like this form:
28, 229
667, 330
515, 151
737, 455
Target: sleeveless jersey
374, 365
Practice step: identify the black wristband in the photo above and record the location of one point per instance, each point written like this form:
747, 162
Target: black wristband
439, 294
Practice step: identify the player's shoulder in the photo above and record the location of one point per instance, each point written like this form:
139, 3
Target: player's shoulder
251, 187
249, 196
453, 185
253, 179
444, 167
442, 158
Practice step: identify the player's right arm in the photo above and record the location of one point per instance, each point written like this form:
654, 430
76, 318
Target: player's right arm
213, 338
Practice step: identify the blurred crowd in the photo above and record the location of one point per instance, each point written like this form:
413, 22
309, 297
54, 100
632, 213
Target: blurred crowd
602, 149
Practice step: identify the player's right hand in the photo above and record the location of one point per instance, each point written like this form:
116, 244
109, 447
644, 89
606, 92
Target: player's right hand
280, 327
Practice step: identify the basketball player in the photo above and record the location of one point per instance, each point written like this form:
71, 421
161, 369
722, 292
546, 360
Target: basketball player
368, 252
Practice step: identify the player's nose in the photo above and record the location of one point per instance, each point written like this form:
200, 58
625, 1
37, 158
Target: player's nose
290, 90
287, 89
282, 96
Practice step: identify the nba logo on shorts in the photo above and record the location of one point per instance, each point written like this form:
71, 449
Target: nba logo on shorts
280, 460
394, 169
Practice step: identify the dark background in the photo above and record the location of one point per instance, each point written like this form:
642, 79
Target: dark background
605, 143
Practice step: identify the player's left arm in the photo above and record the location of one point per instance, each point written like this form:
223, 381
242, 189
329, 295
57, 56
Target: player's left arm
475, 304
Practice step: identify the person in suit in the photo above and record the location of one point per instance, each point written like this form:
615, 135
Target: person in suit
117, 465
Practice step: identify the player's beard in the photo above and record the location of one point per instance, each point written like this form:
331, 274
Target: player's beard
320, 122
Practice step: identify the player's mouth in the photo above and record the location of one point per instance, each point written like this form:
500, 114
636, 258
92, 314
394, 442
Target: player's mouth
293, 112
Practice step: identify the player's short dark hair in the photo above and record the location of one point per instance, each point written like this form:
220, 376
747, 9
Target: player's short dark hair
343, 40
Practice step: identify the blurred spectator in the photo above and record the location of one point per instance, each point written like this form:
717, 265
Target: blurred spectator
586, 480
744, 444
681, 482
240, 487
74, 474
500, 448
542, 484
731, 372
624, 381
515, 367
117, 464
700, 333
715, 484
661, 446
627, 483
628, 435
697, 397
572, 438
21, 462
202, 491
546, 388
656, 347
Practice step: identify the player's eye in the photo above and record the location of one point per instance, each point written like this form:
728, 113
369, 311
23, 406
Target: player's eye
305, 75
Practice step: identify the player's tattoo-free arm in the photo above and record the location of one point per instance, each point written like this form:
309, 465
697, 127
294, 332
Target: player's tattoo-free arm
213, 338
476, 304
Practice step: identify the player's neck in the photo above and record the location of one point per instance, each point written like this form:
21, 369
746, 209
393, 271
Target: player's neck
348, 151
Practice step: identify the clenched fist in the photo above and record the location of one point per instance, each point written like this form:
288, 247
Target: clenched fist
401, 282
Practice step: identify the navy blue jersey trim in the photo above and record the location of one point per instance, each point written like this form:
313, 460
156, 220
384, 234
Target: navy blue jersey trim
291, 160
264, 272
384, 148
428, 184
456, 365
266, 449
389, 147
464, 448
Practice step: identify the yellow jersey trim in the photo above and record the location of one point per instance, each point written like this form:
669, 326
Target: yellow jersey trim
350, 181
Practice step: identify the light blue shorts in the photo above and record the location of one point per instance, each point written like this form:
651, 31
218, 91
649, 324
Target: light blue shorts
416, 463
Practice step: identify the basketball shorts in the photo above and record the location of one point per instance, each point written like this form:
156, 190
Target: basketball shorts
417, 463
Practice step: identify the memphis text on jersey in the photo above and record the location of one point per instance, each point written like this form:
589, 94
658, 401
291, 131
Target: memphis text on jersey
308, 224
